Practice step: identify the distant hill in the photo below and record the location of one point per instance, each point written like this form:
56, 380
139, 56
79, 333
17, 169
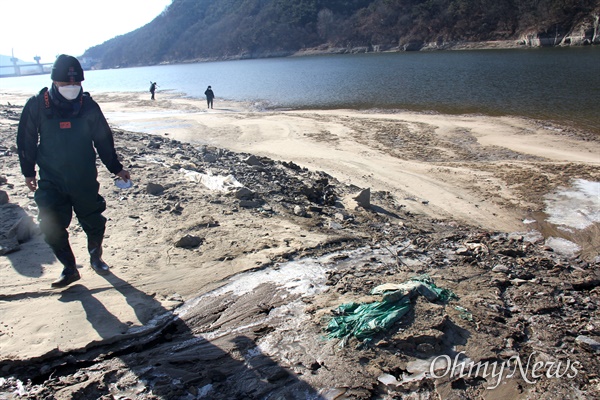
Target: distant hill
192, 30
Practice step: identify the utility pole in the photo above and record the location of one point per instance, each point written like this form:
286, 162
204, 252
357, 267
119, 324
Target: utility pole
37, 60
14, 61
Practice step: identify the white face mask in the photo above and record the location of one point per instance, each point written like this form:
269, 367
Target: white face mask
69, 92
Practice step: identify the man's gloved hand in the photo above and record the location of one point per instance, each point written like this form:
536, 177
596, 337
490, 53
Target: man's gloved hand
124, 174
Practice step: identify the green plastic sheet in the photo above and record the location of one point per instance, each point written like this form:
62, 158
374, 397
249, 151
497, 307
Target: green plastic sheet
364, 320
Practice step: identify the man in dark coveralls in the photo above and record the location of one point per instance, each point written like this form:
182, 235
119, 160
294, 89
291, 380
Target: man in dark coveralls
58, 131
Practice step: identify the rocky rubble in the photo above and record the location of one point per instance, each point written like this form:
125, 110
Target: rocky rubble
263, 334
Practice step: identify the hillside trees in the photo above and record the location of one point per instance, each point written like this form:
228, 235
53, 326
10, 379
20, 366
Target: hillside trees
202, 29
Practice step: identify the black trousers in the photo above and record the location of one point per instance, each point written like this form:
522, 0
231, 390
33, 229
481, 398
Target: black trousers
56, 211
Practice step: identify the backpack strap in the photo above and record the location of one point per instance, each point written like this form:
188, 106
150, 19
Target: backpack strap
45, 103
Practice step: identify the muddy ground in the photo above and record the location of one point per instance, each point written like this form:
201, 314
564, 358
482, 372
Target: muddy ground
305, 247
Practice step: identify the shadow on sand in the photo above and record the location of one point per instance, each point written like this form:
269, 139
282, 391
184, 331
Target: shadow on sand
165, 354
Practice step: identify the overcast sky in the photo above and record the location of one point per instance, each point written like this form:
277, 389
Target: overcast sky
51, 27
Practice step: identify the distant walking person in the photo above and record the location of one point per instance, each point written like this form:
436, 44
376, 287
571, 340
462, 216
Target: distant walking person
152, 89
209, 97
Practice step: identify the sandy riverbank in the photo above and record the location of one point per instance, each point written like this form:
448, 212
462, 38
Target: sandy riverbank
469, 168
432, 173
486, 171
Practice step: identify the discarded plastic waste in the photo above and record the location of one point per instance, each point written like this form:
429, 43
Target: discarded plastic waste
213, 182
364, 320
464, 313
121, 184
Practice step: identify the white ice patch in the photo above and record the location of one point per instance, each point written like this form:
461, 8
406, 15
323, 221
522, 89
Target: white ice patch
533, 236
577, 207
563, 246
301, 277
147, 122
305, 277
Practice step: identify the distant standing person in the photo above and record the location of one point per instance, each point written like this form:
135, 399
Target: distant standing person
209, 97
152, 89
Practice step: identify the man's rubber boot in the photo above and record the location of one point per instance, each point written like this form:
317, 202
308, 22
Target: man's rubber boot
95, 250
69, 273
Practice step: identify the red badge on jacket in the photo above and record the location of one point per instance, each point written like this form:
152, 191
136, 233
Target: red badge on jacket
65, 125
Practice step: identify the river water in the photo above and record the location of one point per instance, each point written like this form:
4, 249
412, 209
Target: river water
557, 84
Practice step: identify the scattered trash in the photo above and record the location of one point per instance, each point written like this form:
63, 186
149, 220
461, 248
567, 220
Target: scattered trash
121, 184
364, 320
213, 182
464, 313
